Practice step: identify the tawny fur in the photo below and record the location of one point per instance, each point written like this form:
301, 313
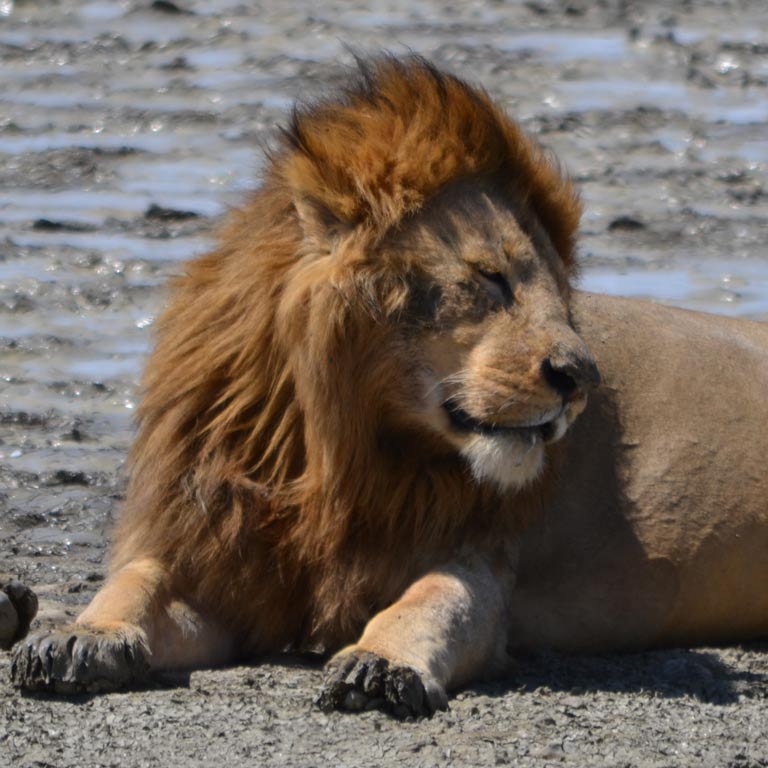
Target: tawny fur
256, 461
351, 429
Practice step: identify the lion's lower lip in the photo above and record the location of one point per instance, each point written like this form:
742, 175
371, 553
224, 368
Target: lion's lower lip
463, 422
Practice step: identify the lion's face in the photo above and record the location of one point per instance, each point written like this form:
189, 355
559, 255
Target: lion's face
494, 367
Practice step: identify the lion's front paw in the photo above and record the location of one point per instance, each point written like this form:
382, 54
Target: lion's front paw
18, 606
361, 680
80, 661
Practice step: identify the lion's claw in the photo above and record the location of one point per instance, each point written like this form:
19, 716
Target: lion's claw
18, 606
79, 661
364, 681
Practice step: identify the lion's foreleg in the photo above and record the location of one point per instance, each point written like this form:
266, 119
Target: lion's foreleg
135, 624
448, 628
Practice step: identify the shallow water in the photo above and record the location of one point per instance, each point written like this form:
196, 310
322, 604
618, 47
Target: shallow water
111, 108
711, 286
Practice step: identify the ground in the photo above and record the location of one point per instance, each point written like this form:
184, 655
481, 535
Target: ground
127, 127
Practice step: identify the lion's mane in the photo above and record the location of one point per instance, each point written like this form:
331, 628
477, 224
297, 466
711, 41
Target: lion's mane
259, 468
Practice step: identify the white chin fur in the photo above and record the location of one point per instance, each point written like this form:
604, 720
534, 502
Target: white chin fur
506, 460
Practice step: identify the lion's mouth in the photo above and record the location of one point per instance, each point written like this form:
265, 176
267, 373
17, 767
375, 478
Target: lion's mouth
463, 422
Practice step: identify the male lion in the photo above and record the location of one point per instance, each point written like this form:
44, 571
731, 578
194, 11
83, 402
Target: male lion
359, 417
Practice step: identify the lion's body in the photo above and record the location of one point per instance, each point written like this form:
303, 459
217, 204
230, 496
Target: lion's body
657, 531
362, 415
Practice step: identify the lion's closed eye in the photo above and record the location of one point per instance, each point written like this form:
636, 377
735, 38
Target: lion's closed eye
497, 285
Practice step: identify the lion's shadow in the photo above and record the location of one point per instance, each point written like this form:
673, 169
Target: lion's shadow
673, 673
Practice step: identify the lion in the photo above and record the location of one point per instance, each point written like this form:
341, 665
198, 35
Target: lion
379, 422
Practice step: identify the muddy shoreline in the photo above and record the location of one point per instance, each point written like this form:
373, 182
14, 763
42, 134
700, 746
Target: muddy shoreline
128, 127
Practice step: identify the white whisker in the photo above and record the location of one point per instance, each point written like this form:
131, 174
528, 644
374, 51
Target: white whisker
452, 380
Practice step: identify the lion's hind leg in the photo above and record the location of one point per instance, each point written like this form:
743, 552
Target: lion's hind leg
135, 625
18, 606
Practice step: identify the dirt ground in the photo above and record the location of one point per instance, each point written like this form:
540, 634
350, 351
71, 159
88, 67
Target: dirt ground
126, 128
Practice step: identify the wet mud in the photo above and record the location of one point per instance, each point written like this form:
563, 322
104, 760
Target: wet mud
128, 127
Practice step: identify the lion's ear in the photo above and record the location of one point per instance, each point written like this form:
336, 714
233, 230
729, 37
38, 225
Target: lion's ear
319, 224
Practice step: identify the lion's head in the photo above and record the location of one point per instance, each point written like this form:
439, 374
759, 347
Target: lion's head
388, 310
437, 247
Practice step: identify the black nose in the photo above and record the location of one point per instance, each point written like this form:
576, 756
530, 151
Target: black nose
569, 373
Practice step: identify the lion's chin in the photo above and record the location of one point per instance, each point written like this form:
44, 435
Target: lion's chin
508, 461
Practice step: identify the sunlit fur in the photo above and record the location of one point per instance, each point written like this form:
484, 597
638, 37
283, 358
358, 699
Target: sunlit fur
262, 475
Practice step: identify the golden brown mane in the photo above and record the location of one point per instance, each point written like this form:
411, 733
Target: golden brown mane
259, 431
403, 131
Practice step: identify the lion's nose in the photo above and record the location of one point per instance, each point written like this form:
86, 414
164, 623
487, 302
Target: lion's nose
569, 372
